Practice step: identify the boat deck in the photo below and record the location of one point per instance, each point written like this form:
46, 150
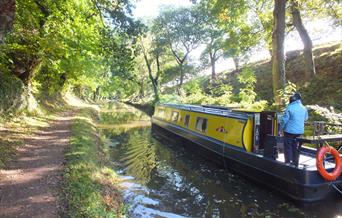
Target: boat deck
321, 139
307, 162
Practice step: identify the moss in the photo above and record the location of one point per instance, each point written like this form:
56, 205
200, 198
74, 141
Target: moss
90, 185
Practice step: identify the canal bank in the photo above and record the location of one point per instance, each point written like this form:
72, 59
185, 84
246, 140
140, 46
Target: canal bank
90, 185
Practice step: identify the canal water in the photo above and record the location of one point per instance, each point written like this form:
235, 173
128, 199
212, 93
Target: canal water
163, 179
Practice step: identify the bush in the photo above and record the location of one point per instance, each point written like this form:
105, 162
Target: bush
11, 93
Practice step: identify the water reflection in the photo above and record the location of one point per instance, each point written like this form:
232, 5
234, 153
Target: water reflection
139, 156
182, 183
163, 179
122, 117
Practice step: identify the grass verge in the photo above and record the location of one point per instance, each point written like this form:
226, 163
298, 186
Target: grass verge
90, 185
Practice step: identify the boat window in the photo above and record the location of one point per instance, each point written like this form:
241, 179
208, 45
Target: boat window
174, 116
187, 120
161, 112
201, 124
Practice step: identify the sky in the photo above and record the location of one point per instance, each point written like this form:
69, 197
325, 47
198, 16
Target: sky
150, 8
320, 31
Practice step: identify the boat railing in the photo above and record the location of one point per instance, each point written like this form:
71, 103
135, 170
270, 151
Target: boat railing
199, 109
208, 110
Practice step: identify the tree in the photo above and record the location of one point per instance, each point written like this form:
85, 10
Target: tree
278, 55
303, 33
316, 9
240, 30
241, 39
262, 12
152, 57
213, 38
7, 12
64, 44
179, 29
247, 79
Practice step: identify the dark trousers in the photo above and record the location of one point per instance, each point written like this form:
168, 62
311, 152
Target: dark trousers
291, 148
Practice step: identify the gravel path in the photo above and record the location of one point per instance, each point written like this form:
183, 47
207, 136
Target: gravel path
30, 186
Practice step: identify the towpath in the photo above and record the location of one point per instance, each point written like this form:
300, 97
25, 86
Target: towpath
31, 185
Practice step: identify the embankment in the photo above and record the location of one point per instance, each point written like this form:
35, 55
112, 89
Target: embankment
90, 185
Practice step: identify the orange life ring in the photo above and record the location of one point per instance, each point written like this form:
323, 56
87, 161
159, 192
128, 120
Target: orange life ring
320, 160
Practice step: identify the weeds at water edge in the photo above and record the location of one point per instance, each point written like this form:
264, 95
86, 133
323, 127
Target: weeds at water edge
89, 183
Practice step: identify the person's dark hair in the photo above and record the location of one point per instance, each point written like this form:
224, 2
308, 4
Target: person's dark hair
296, 96
292, 99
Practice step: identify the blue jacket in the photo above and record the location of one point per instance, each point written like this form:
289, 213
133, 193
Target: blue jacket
294, 117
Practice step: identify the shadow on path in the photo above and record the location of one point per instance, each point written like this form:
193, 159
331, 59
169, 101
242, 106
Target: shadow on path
30, 186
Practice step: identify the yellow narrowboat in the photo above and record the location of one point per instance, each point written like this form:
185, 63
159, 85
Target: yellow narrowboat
248, 141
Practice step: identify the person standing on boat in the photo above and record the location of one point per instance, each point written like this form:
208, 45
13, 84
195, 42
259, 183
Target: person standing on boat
293, 126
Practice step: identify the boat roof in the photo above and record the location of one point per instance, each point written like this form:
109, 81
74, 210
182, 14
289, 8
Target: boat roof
210, 109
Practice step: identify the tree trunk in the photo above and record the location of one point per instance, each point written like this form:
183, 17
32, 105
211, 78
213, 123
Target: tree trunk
181, 77
180, 62
155, 86
7, 15
213, 67
142, 88
308, 55
156, 91
236, 62
278, 55
96, 93
62, 79
154, 80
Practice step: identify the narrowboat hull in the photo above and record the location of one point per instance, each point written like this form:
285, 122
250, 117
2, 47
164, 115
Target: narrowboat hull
303, 185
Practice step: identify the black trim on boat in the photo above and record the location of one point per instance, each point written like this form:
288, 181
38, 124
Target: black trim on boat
242, 138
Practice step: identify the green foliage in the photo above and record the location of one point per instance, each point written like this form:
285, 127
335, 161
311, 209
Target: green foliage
121, 117
170, 98
221, 94
11, 94
92, 47
247, 79
83, 186
60, 45
327, 115
172, 72
261, 16
247, 94
180, 30
213, 37
324, 114
196, 96
316, 9
287, 92
234, 17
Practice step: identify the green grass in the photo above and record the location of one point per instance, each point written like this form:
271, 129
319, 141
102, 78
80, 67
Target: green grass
90, 185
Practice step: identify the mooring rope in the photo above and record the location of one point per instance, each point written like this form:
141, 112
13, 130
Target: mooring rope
337, 189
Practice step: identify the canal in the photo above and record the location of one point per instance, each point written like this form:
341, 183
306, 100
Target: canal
163, 179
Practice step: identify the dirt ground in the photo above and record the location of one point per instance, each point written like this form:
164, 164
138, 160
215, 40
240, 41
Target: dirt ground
31, 184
